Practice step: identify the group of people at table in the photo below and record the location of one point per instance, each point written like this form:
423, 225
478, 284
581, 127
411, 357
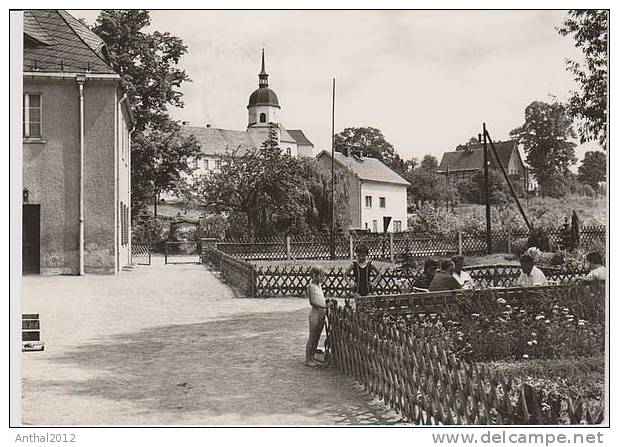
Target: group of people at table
446, 275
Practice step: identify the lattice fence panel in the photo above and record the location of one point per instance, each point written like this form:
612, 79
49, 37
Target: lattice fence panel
428, 387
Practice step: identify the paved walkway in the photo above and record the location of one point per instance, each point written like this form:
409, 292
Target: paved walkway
173, 345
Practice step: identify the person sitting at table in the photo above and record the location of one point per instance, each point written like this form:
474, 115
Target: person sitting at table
598, 271
444, 279
422, 283
531, 275
463, 278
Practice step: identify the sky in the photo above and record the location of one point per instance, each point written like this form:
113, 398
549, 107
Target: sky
427, 79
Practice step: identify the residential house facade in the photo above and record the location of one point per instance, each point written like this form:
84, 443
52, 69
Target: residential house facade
76, 151
376, 194
468, 159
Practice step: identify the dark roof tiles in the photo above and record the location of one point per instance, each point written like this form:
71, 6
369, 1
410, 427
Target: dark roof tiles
69, 47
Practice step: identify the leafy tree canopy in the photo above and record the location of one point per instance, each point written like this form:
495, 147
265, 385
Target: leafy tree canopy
592, 169
589, 29
148, 66
370, 142
146, 62
546, 135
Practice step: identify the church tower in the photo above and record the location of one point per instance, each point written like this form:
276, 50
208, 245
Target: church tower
263, 108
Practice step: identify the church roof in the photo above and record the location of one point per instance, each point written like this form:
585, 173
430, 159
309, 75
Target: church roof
58, 42
300, 137
263, 96
219, 141
367, 168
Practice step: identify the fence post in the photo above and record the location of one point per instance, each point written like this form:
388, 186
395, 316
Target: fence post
288, 247
391, 253
166, 252
459, 242
509, 241
351, 247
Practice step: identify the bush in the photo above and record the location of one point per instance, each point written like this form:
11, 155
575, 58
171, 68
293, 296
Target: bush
485, 328
432, 222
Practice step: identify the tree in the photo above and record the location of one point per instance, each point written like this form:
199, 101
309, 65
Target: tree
590, 32
427, 185
592, 169
370, 142
161, 155
148, 66
263, 185
146, 62
546, 135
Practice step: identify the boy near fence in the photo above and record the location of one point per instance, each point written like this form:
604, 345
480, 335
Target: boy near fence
317, 313
361, 270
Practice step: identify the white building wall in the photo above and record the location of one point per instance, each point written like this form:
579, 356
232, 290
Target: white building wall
395, 205
124, 186
253, 115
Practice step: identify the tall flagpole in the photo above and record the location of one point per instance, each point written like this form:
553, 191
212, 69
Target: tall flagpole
332, 246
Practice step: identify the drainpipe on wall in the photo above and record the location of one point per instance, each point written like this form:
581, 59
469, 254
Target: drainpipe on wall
81, 79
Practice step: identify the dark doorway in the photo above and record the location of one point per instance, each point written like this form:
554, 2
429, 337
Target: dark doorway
31, 239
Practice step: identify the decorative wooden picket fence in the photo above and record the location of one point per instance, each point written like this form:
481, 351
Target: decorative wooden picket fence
386, 246
285, 280
428, 387
236, 272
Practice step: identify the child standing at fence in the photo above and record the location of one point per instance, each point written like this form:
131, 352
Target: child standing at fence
317, 313
361, 270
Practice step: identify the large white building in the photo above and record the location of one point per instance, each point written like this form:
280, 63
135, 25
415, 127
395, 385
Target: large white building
376, 193
263, 111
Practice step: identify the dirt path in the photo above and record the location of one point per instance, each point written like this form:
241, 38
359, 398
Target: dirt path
172, 345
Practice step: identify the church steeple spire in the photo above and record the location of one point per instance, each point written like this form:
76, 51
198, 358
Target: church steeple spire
263, 77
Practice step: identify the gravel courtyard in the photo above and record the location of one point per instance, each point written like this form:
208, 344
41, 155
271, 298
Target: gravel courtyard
173, 345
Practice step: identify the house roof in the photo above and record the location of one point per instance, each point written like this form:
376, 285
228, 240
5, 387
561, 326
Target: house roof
214, 141
471, 157
60, 43
300, 137
370, 169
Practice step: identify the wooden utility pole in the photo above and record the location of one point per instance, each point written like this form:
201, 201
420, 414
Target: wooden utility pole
332, 244
487, 187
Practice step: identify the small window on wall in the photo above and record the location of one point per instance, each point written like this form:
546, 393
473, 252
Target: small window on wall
368, 201
206, 164
397, 226
195, 163
263, 117
288, 151
217, 164
32, 115
375, 226
381, 202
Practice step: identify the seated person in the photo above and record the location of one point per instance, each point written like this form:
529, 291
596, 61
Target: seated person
444, 279
463, 278
598, 271
531, 275
422, 283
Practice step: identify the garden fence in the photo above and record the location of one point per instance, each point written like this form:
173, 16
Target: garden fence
387, 246
289, 280
426, 386
234, 271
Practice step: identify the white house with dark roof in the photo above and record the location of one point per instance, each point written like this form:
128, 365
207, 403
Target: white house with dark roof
376, 193
263, 112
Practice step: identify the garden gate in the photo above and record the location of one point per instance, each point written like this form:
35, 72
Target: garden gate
141, 253
183, 252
